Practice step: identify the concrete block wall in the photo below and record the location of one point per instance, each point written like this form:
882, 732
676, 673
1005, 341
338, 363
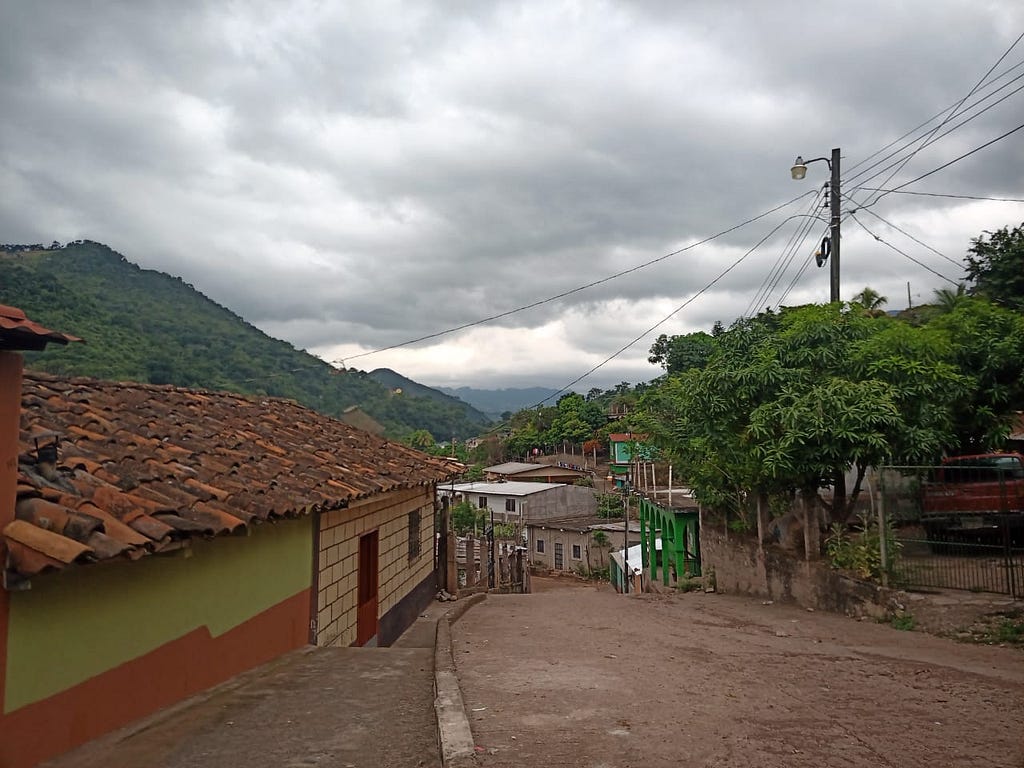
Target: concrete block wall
338, 564
742, 566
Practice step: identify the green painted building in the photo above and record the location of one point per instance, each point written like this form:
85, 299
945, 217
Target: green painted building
678, 531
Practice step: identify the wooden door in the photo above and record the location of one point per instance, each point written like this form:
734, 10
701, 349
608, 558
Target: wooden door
366, 611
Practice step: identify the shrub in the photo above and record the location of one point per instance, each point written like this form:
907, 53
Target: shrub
860, 550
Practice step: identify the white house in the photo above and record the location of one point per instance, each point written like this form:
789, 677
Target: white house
523, 502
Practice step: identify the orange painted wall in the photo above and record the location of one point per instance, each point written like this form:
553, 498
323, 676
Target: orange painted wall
10, 416
139, 687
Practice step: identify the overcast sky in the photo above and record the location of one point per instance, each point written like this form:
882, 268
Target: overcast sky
348, 176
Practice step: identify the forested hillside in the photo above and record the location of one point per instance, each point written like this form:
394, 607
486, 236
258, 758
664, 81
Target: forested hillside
143, 325
396, 381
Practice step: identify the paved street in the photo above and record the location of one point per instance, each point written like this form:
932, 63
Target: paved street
576, 676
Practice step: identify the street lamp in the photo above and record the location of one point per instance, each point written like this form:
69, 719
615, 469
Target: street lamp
798, 171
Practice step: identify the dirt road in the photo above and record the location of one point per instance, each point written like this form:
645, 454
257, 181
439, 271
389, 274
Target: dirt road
576, 676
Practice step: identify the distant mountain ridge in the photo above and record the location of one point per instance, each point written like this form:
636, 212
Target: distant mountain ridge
495, 402
144, 325
394, 380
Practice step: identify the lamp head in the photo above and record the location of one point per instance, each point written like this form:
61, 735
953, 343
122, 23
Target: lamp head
799, 169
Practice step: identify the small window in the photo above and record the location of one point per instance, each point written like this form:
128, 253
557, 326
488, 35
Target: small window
415, 545
577, 552
482, 502
540, 545
510, 505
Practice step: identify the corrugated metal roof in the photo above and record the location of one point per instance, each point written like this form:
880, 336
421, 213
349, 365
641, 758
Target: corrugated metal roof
512, 467
503, 489
18, 332
142, 467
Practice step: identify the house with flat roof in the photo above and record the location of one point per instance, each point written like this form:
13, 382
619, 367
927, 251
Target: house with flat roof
521, 502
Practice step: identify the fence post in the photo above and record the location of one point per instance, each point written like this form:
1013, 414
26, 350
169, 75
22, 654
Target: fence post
1011, 573
883, 529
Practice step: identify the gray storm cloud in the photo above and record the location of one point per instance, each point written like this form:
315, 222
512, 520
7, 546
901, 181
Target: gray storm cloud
350, 176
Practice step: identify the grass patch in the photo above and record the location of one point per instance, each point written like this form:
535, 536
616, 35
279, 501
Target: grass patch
1001, 628
904, 623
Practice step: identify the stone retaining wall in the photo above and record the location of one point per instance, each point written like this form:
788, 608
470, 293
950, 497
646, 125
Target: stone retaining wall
741, 566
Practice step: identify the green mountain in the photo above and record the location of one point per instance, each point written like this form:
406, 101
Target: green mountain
496, 401
144, 325
396, 381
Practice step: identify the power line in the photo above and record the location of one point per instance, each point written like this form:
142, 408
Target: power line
782, 262
570, 292
902, 253
940, 194
930, 142
671, 314
796, 279
907, 234
951, 115
936, 116
988, 143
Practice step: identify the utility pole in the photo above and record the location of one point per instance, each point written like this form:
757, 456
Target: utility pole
834, 199
798, 171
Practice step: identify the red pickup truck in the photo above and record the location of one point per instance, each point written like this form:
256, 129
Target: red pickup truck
975, 496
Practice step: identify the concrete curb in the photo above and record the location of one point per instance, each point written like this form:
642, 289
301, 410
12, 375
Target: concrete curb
454, 733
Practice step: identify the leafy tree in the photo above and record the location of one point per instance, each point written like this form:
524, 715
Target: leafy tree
681, 353
467, 518
995, 265
601, 543
421, 438
609, 505
789, 401
987, 346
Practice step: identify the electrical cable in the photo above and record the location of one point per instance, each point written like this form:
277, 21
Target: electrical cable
940, 194
988, 143
789, 261
796, 279
902, 253
929, 143
936, 116
671, 314
923, 244
781, 263
736, 263
570, 292
948, 117
902, 148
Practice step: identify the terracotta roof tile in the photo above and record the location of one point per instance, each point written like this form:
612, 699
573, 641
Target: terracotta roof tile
56, 550
18, 332
143, 466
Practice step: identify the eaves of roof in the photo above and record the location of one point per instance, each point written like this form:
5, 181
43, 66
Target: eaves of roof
17, 332
144, 468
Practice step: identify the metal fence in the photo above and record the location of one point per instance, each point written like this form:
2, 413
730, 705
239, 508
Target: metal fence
961, 529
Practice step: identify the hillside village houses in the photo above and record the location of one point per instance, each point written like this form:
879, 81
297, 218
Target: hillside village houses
156, 541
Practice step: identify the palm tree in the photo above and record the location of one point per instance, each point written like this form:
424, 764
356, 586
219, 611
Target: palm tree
948, 299
871, 301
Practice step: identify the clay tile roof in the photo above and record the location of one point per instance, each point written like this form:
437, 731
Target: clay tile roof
18, 332
626, 437
143, 467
